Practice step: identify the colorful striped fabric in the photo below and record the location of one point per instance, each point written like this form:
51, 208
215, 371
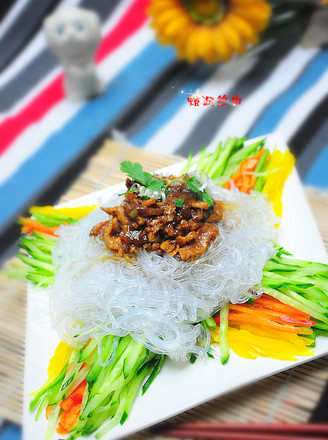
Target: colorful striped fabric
42, 134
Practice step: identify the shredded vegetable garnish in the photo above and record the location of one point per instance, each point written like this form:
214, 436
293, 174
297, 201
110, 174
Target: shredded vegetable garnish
157, 298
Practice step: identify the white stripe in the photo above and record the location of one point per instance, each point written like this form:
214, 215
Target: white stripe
300, 110
169, 137
11, 16
36, 45
32, 93
246, 114
32, 139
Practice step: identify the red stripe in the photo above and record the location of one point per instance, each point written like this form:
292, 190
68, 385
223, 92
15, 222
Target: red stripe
12, 127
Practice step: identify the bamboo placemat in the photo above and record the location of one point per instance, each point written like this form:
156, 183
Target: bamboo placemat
286, 397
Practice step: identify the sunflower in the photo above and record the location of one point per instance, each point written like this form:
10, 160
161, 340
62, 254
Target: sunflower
212, 30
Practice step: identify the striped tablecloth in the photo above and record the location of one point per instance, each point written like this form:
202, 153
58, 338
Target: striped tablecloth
42, 134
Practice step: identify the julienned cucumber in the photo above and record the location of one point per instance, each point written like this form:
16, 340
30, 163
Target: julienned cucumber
115, 369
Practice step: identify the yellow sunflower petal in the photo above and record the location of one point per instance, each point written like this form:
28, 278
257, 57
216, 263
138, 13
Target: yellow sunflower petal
175, 26
247, 32
190, 31
232, 36
257, 12
222, 48
192, 53
205, 45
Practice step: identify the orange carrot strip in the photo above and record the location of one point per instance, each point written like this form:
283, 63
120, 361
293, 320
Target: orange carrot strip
243, 317
244, 179
74, 398
270, 314
274, 304
30, 225
68, 419
48, 411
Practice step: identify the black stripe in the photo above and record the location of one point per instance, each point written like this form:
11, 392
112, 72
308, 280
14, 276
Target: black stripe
208, 125
44, 62
23, 29
5, 5
311, 137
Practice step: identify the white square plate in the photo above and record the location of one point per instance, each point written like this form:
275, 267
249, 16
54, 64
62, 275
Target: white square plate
178, 387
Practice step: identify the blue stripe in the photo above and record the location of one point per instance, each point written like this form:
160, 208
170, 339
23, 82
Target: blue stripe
277, 110
171, 108
66, 144
317, 175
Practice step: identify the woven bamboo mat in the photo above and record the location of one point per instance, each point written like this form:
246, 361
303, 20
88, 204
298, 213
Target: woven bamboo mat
286, 397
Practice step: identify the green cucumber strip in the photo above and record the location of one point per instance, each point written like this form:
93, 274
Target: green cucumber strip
235, 159
135, 350
221, 162
41, 408
210, 322
223, 344
52, 423
260, 167
35, 263
87, 350
321, 325
43, 390
133, 390
320, 332
73, 382
53, 219
154, 373
117, 417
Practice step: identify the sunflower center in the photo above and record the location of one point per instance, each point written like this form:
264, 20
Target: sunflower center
207, 12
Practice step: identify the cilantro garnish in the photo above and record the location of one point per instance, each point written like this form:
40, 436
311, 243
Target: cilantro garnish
135, 171
179, 202
194, 185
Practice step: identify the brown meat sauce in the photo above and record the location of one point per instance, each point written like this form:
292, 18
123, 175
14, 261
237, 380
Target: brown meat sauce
161, 226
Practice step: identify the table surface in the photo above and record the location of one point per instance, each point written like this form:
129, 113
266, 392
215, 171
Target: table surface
45, 138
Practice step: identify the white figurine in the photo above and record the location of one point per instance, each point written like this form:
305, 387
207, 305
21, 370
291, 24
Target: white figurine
73, 34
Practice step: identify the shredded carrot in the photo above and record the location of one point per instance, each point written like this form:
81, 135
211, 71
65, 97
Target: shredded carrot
68, 419
30, 225
259, 320
72, 409
274, 304
74, 398
48, 411
245, 179
270, 314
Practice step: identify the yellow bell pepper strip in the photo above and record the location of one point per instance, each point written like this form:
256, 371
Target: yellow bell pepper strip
76, 213
250, 341
278, 170
59, 360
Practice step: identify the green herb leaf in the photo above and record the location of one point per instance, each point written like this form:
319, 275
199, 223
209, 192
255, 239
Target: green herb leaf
135, 171
194, 185
204, 197
179, 202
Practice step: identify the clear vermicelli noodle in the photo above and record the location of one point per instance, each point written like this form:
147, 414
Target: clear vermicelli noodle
159, 299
